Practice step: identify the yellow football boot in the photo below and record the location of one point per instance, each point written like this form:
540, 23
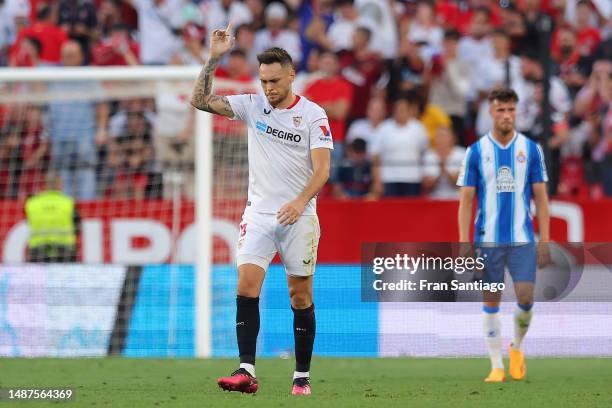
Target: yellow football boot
496, 375
517, 363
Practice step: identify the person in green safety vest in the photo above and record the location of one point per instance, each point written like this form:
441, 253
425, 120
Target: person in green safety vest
54, 224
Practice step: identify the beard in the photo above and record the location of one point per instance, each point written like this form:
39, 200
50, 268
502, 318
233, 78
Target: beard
278, 98
505, 129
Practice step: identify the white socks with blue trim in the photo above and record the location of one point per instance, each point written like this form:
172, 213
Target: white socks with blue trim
492, 331
522, 319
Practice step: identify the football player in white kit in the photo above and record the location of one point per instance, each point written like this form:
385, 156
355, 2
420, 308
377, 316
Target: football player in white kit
289, 152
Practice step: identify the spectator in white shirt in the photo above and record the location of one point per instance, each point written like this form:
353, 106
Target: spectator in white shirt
340, 32
424, 30
601, 7
378, 16
528, 107
159, 22
397, 151
366, 128
276, 35
477, 44
219, 13
496, 70
441, 166
451, 84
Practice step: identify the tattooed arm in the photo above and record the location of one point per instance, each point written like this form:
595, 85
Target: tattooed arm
202, 98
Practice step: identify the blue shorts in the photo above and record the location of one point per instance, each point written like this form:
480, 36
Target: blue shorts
520, 260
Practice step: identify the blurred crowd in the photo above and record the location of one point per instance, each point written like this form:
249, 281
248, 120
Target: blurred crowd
404, 84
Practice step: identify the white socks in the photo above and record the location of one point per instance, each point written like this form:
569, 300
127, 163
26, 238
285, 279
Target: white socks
298, 374
251, 370
492, 332
522, 318
249, 367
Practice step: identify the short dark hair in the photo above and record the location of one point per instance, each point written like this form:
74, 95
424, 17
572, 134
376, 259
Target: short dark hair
237, 52
35, 43
119, 27
116, 3
338, 3
503, 95
584, 3
244, 26
484, 10
530, 53
273, 55
44, 12
567, 27
365, 30
359, 145
501, 33
411, 97
452, 34
327, 51
429, 3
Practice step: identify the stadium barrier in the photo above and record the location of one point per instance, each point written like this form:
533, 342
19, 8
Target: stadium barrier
149, 311
141, 232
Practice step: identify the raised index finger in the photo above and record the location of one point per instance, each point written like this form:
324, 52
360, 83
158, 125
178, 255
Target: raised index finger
228, 30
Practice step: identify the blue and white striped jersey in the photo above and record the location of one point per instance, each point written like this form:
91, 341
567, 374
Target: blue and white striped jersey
503, 176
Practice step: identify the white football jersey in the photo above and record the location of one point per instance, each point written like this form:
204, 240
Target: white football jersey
279, 142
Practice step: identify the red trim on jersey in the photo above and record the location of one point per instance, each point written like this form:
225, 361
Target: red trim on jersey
295, 101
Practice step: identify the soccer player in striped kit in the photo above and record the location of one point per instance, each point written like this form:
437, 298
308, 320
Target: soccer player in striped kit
503, 170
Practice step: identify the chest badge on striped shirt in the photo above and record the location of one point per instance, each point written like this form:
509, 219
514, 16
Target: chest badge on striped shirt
520, 157
505, 180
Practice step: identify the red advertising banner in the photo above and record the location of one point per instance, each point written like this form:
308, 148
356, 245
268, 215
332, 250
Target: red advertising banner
138, 232
345, 225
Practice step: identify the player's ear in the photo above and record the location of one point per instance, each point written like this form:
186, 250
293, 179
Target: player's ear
291, 73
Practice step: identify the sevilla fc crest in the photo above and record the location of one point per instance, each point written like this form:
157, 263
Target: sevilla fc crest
297, 120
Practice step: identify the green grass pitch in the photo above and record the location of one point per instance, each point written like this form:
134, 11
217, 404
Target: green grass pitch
388, 382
